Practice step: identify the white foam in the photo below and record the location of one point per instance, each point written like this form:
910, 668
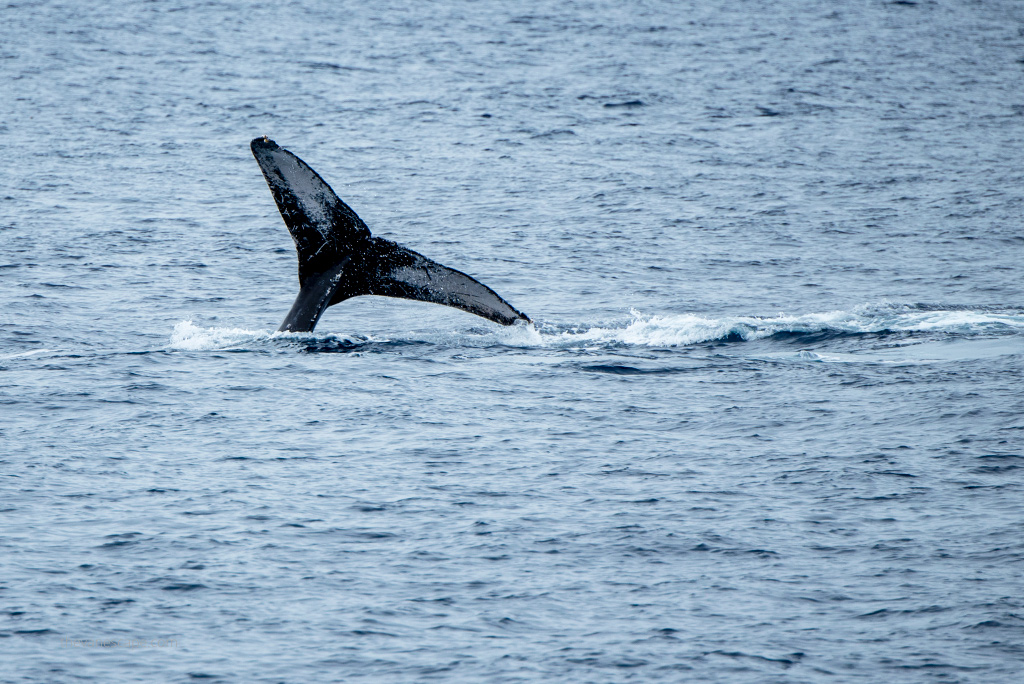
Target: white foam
642, 330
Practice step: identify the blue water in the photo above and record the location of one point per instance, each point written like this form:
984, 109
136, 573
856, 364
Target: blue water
768, 425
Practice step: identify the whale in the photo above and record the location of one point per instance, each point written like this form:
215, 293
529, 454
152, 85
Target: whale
339, 259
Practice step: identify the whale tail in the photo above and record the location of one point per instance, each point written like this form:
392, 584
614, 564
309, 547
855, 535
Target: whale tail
338, 258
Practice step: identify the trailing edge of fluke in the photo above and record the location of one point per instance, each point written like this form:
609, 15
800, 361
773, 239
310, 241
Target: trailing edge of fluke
338, 258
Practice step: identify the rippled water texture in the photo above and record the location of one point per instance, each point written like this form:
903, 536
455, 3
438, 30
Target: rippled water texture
768, 425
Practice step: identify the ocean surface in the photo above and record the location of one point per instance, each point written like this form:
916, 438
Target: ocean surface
767, 426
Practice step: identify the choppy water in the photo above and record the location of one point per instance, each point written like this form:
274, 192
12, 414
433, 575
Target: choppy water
769, 425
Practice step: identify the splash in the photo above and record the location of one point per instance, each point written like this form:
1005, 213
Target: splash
675, 330
187, 336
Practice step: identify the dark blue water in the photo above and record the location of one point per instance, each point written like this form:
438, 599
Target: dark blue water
768, 425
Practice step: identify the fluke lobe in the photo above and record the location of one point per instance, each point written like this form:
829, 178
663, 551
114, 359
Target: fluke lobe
338, 258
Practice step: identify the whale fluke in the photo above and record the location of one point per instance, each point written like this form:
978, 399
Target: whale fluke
338, 258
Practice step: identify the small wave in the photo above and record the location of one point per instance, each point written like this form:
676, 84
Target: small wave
21, 355
911, 354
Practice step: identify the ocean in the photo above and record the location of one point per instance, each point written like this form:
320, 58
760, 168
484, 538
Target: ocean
767, 424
